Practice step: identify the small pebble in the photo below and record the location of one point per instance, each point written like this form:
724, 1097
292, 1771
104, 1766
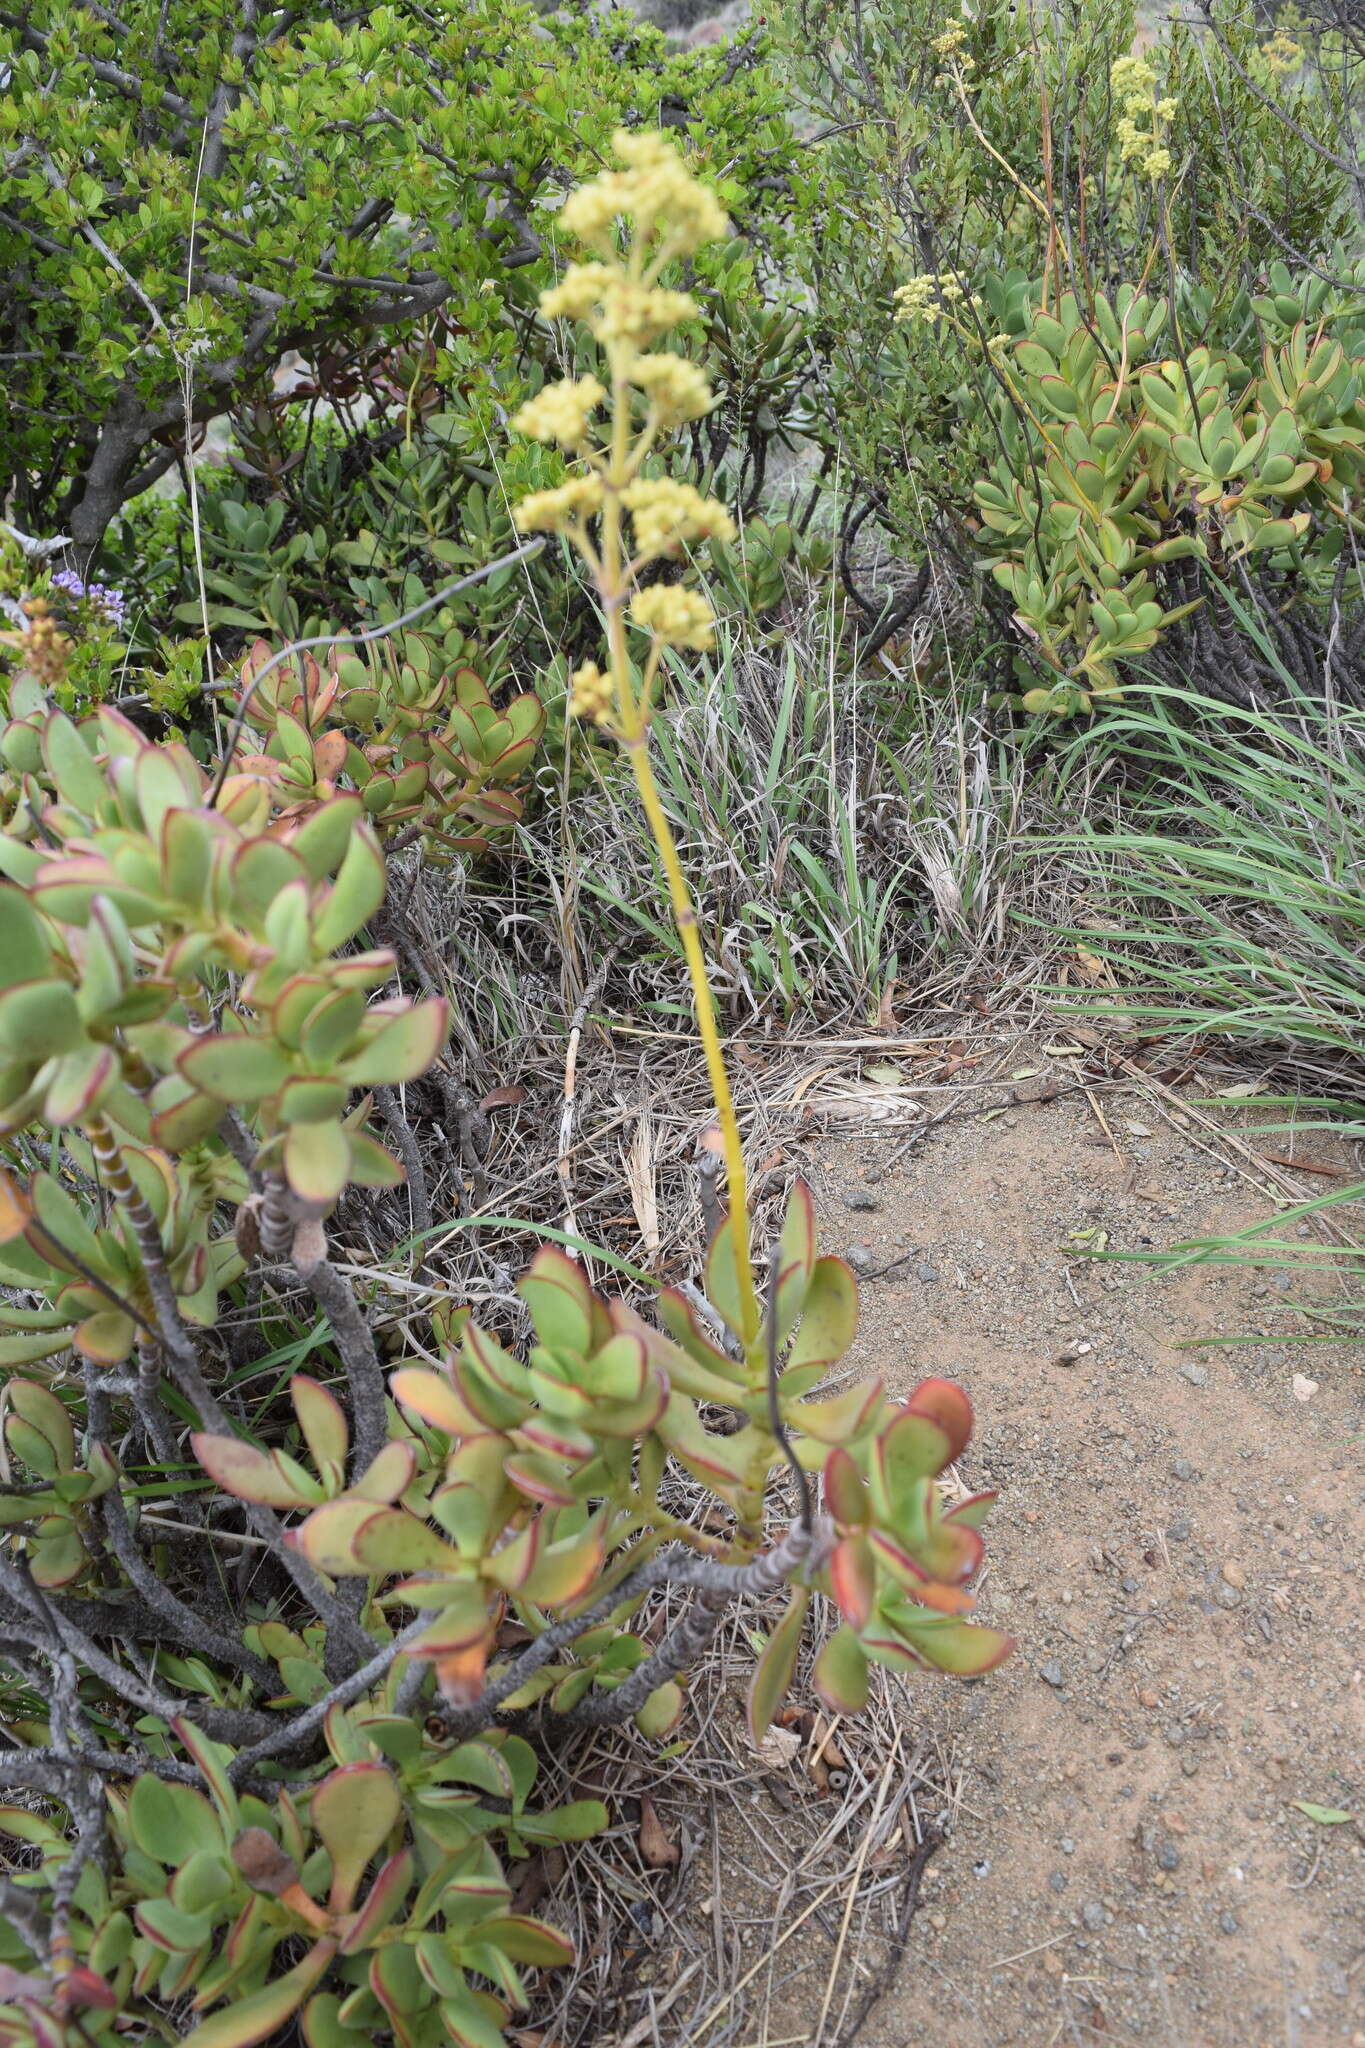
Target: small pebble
1056, 1881
861, 1198
1093, 1915
859, 1256
1233, 1574
1227, 1923
1197, 1375
1179, 1532
1052, 1672
1228, 1596
927, 1273
1067, 1846
1167, 1856
1182, 1469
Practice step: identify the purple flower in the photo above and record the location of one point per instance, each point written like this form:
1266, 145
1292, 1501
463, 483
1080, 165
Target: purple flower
108, 602
108, 605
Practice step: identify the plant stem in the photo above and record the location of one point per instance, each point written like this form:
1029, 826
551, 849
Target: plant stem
633, 733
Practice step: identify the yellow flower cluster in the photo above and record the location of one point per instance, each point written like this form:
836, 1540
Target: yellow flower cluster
591, 696
1139, 126
676, 389
665, 513
1283, 56
552, 511
655, 189
616, 307
930, 296
680, 618
560, 412
955, 58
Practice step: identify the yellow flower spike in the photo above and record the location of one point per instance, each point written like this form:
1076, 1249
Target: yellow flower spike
579, 290
661, 212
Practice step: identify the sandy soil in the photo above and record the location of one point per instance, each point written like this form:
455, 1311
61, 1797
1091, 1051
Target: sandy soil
1177, 1549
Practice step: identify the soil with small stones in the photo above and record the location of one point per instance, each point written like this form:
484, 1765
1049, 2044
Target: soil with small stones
1177, 1551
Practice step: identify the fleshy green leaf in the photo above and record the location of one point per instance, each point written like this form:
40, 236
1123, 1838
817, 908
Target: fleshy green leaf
773, 1671
841, 1673
353, 1810
317, 1161
261, 2014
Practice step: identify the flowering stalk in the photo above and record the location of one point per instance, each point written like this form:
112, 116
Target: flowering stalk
621, 519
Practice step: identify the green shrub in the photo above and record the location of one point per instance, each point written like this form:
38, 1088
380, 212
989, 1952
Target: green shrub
190, 198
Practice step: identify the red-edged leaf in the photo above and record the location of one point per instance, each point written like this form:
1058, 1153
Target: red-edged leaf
322, 1420
540, 1478
326, 1538
389, 1474
392, 1540
560, 1300
431, 1396
529, 1941
266, 1477
404, 1047
353, 1810
564, 1571
974, 1511
829, 1319
844, 1417
845, 1493
795, 1259
910, 1449
264, 2012
946, 1404
383, 1901
921, 1585
853, 1580
960, 1647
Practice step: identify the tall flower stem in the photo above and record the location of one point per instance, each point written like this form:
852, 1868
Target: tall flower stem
632, 727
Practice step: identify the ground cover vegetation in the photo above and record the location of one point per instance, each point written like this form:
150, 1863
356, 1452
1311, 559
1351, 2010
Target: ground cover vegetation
509, 520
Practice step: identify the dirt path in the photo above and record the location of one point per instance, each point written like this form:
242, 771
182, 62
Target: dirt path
1177, 1549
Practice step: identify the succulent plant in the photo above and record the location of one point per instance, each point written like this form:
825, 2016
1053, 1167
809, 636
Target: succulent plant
139, 912
424, 747
1120, 462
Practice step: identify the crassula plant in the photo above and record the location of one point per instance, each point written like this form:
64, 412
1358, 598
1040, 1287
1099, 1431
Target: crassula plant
297, 1812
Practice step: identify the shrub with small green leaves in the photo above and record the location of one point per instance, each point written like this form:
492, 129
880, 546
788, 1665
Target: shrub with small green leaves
190, 196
